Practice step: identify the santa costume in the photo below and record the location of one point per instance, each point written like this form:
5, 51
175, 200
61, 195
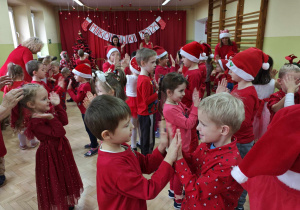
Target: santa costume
109, 65
270, 172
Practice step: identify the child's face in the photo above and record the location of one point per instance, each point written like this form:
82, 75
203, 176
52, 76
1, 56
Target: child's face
164, 60
186, 62
65, 75
113, 56
218, 68
209, 131
235, 77
177, 95
150, 65
41, 72
123, 132
292, 73
79, 78
100, 90
41, 102
55, 69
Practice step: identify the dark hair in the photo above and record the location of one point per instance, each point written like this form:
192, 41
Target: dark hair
104, 113
14, 71
81, 53
229, 42
179, 55
112, 41
54, 58
263, 77
144, 54
133, 54
32, 66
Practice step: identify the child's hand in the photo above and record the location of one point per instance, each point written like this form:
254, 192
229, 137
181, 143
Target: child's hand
61, 82
273, 73
47, 116
116, 60
213, 73
88, 99
54, 98
222, 86
195, 97
179, 153
69, 85
172, 60
290, 83
5, 80
50, 73
171, 156
11, 98
125, 61
163, 137
123, 45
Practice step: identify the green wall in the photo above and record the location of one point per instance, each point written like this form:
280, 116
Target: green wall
5, 50
55, 49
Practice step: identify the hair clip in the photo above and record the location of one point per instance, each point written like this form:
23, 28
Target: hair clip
115, 72
102, 77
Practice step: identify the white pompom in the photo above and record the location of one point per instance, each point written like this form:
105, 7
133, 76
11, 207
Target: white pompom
203, 54
211, 55
266, 66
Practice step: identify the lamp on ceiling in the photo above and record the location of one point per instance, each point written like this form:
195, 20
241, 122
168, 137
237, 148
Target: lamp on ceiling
78, 2
165, 2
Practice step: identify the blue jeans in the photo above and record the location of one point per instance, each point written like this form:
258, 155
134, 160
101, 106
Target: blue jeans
243, 149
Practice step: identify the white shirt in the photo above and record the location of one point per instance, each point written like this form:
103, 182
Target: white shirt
131, 85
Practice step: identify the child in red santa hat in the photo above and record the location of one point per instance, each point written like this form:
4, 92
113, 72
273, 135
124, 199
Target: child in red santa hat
218, 73
270, 172
113, 58
244, 68
196, 77
208, 64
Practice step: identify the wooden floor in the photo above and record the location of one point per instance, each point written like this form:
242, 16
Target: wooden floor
19, 192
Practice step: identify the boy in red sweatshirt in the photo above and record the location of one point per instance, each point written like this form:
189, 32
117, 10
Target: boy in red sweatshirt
147, 98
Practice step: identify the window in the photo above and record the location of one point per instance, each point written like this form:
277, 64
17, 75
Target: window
13, 27
33, 25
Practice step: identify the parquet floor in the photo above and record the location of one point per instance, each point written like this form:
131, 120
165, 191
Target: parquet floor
19, 192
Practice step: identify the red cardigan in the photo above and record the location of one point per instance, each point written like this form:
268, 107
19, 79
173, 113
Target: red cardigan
21, 55
81, 94
222, 51
161, 71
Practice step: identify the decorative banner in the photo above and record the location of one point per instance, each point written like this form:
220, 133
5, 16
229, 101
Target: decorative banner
85, 23
161, 22
153, 27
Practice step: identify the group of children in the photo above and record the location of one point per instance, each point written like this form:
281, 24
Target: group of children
125, 99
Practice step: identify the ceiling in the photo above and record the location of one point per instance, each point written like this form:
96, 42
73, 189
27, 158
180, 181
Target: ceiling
125, 3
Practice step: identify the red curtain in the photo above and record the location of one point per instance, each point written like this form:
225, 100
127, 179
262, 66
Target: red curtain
171, 38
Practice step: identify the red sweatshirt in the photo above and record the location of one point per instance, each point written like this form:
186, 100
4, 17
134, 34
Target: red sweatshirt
107, 66
206, 175
147, 98
196, 79
222, 51
80, 95
251, 103
216, 79
161, 71
120, 180
183, 118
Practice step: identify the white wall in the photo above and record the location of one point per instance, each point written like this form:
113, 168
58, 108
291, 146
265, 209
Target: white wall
200, 30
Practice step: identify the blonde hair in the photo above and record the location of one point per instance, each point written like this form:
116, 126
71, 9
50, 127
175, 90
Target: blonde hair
288, 68
54, 63
144, 54
34, 44
47, 60
65, 70
14, 71
224, 109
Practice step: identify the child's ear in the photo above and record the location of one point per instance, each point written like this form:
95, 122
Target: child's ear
34, 73
30, 105
143, 63
225, 130
279, 81
169, 92
112, 92
105, 135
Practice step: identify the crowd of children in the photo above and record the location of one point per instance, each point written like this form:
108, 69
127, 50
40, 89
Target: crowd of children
203, 138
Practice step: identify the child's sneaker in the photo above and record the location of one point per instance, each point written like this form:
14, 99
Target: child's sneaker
36, 143
2, 180
177, 204
87, 146
24, 147
91, 152
171, 194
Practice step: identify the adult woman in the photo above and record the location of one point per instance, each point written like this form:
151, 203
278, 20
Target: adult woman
225, 46
116, 43
22, 54
146, 42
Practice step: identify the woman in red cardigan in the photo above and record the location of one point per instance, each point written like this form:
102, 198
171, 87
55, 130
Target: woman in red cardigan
22, 54
225, 46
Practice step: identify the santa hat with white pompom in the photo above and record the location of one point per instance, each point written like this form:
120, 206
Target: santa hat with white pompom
193, 51
247, 64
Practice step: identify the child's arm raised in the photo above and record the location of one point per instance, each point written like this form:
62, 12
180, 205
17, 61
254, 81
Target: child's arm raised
79, 97
61, 114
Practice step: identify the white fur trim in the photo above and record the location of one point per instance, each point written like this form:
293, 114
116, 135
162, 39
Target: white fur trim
238, 175
189, 56
240, 72
78, 73
111, 51
158, 19
221, 64
291, 179
265, 66
211, 55
203, 57
161, 55
223, 35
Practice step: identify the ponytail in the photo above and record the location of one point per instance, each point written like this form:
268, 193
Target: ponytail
14, 71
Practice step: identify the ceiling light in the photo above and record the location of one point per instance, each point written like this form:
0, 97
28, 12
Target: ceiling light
166, 1
78, 2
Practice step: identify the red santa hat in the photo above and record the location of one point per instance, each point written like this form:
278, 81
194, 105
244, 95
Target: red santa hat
247, 64
277, 152
207, 51
134, 67
62, 53
290, 58
109, 50
160, 51
83, 70
192, 51
224, 33
230, 55
222, 63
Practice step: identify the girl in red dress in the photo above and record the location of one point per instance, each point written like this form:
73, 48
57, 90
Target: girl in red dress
146, 42
58, 181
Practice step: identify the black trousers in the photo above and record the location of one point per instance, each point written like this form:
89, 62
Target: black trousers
93, 139
147, 140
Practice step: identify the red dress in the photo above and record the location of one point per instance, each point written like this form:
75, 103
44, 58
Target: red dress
58, 181
149, 45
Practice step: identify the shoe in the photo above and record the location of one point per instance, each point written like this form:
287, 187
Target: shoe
177, 204
35, 144
87, 146
70, 100
24, 147
91, 152
2, 180
71, 207
138, 145
239, 208
135, 149
171, 194
156, 134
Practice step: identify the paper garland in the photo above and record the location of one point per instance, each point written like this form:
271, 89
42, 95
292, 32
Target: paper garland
123, 39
